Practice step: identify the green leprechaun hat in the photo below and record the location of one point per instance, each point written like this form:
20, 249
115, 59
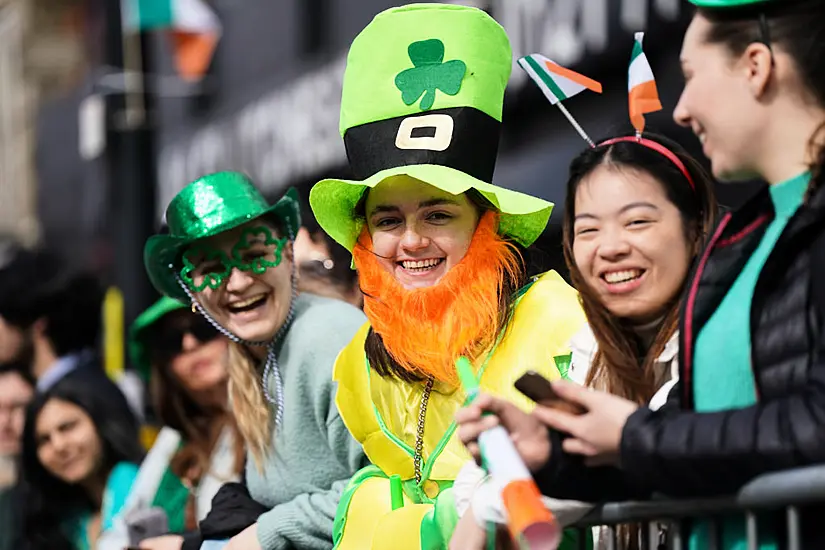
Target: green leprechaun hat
423, 96
138, 347
207, 207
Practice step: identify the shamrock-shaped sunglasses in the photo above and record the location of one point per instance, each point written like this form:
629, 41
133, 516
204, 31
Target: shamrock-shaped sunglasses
256, 251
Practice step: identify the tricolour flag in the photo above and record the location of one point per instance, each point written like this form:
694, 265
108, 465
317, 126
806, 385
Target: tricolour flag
193, 28
643, 97
558, 83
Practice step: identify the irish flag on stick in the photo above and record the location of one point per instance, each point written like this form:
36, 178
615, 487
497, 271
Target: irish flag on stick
641, 86
193, 27
555, 81
558, 84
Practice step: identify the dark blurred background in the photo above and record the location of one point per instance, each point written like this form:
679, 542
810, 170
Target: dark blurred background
77, 174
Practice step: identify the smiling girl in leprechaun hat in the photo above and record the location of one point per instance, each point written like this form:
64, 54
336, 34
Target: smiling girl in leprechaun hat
229, 254
436, 248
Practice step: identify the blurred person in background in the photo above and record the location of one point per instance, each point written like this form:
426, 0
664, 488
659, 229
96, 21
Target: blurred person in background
16, 391
80, 459
50, 321
324, 266
229, 254
183, 359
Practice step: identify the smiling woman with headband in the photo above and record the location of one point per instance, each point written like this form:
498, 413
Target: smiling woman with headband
229, 254
637, 213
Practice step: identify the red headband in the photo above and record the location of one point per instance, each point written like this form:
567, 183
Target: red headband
659, 148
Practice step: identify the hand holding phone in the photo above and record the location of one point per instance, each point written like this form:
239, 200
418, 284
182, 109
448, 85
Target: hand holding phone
540, 390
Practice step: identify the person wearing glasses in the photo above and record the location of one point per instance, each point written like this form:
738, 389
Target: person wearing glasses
16, 391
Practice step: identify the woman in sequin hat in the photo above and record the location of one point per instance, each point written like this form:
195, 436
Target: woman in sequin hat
229, 254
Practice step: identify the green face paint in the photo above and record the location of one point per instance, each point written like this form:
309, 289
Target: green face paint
256, 251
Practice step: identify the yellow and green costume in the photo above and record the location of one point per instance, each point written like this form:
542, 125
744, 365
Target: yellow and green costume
423, 96
383, 415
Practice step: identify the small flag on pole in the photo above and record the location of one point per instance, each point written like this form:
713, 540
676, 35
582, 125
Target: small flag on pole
559, 83
146, 15
193, 28
641, 85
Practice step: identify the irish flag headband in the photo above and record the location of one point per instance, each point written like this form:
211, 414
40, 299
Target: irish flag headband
559, 83
643, 98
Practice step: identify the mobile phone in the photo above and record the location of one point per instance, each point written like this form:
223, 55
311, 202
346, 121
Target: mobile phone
540, 390
146, 524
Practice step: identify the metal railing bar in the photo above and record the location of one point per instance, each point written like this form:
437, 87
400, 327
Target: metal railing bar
612, 543
678, 540
787, 488
714, 534
794, 534
751, 531
796, 487
622, 512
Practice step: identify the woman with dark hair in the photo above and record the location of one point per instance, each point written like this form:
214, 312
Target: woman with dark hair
752, 395
436, 246
80, 458
50, 321
637, 213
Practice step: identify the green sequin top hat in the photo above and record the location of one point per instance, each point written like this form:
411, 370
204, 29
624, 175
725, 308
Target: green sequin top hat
138, 352
207, 207
423, 96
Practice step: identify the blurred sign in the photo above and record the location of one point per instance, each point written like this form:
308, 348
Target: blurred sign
292, 133
566, 30
92, 127
56, 44
287, 134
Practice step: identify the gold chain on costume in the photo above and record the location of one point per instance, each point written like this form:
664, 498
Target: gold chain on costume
419, 436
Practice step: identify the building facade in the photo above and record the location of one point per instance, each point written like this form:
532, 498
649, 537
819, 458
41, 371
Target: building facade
18, 215
269, 105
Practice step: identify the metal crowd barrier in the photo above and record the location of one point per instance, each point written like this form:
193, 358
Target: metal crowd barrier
788, 490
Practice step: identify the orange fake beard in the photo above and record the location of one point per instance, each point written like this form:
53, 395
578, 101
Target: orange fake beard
425, 330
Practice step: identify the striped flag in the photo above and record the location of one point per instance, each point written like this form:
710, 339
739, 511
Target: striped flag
193, 28
557, 82
643, 97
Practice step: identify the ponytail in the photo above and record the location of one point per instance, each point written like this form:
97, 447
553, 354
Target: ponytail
251, 411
